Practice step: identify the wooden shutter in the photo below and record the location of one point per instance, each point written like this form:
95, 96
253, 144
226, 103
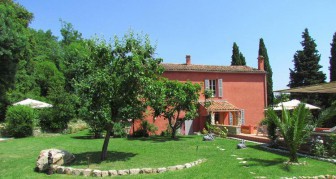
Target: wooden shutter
243, 116
220, 88
231, 118
206, 82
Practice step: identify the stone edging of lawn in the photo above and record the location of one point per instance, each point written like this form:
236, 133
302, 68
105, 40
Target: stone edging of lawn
104, 173
300, 154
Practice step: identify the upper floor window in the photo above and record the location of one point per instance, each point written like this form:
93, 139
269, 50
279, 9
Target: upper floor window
216, 86
212, 87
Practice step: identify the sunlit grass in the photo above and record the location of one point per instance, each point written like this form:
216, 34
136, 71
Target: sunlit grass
18, 157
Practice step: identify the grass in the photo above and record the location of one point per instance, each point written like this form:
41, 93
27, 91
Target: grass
18, 157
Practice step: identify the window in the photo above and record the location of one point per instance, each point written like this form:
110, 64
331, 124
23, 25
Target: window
216, 88
212, 86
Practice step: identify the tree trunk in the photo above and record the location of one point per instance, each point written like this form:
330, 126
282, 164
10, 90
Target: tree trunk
293, 156
106, 142
173, 133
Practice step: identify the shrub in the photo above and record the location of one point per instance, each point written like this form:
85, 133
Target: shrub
221, 132
145, 129
20, 121
56, 119
76, 126
318, 149
119, 130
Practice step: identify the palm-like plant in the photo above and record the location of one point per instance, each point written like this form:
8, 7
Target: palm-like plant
295, 127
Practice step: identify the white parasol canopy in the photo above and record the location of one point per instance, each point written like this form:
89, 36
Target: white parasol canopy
292, 104
33, 103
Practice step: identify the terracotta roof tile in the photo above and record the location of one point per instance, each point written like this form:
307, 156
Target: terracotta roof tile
209, 68
221, 105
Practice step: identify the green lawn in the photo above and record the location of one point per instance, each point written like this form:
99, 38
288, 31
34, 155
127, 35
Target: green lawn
18, 156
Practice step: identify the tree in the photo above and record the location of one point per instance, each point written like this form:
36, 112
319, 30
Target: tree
306, 70
295, 127
178, 103
332, 67
116, 79
237, 57
242, 59
268, 69
14, 20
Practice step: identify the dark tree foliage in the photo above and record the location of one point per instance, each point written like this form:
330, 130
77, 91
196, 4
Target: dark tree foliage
242, 59
332, 67
307, 71
268, 69
237, 57
14, 20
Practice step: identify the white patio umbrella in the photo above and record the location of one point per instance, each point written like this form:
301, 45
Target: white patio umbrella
33, 103
292, 104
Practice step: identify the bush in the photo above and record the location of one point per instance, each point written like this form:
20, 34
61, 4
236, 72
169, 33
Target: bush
119, 129
220, 132
76, 126
56, 119
20, 121
145, 129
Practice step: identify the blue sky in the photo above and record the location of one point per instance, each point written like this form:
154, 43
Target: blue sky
203, 29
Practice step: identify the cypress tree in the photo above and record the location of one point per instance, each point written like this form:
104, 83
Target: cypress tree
332, 61
307, 70
268, 69
237, 57
242, 59
235, 60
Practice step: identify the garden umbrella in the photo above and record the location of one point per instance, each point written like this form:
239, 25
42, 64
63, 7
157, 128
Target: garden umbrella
33, 103
292, 104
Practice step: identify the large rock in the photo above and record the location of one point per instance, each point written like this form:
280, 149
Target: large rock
60, 157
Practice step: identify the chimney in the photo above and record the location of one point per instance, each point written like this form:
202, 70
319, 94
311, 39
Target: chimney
188, 60
261, 63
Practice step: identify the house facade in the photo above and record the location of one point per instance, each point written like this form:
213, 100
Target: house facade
239, 95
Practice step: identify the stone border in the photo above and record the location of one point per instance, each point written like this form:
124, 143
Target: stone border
104, 173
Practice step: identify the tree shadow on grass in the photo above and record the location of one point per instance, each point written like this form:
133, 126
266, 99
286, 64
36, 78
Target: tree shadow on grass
159, 138
268, 163
86, 137
94, 157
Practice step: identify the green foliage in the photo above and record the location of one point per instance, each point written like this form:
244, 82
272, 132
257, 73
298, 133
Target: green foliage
145, 129
307, 70
119, 129
56, 119
263, 52
69, 34
116, 80
178, 99
237, 57
332, 61
331, 146
295, 127
14, 20
75, 126
327, 116
319, 150
271, 130
20, 121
